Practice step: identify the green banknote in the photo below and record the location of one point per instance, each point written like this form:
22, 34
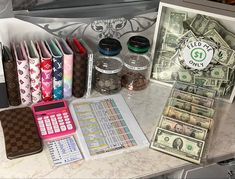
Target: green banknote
195, 89
178, 145
215, 37
183, 128
175, 24
191, 107
205, 82
231, 62
164, 59
170, 42
228, 36
199, 24
188, 117
193, 98
223, 55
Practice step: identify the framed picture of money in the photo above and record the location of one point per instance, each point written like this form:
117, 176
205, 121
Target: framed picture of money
195, 44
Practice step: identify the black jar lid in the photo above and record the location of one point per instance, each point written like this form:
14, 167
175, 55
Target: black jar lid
138, 44
109, 46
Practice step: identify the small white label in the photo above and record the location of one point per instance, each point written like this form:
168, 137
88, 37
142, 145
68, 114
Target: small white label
197, 54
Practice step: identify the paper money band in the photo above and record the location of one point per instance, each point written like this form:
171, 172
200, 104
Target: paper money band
23, 74
34, 68
57, 72
10, 70
68, 67
46, 71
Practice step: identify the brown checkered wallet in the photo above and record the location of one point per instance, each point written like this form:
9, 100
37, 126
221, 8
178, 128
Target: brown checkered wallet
20, 132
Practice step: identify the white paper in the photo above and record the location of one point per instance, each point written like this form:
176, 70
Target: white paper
105, 125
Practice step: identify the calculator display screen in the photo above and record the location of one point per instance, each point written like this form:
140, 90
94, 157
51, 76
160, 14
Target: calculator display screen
49, 106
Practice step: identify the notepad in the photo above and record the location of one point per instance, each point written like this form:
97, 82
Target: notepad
64, 151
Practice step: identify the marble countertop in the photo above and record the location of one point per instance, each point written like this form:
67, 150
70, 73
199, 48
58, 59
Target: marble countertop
146, 106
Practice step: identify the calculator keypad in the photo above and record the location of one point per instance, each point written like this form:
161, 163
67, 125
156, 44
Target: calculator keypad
55, 124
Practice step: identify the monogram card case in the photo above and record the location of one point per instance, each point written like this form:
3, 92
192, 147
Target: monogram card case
20, 132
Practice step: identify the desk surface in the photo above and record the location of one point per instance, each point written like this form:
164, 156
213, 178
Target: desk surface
147, 106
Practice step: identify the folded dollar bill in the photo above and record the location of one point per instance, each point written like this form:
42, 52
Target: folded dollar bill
193, 98
178, 145
183, 128
195, 89
191, 107
188, 117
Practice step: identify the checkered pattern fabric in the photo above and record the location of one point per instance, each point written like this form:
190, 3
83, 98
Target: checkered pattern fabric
79, 75
20, 132
11, 77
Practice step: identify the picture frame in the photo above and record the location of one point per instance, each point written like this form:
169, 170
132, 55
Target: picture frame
213, 12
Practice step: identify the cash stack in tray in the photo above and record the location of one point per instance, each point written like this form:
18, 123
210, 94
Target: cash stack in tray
186, 122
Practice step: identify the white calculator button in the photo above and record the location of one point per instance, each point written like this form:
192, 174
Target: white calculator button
60, 120
56, 130
66, 116
40, 122
54, 123
65, 113
50, 132
46, 117
69, 126
63, 128
52, 115
39, 118
58, 115
48, 124
49, 128
42, 129
43, 132
53, 119
47, 120
68, 122
66, 119
62, 124
41, 126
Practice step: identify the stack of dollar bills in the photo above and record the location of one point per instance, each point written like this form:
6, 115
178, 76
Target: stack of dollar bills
185, 123
176, 32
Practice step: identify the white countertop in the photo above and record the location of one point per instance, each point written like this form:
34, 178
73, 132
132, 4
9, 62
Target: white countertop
147, 106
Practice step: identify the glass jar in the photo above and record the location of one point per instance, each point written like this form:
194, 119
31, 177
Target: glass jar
136, 69
108, 75
108, 67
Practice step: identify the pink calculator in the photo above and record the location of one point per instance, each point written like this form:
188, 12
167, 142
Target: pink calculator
53, 119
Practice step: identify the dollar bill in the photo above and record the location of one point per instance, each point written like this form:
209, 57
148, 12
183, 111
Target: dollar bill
178, 145
223, 55
188, 117
193, 98
214, 36
185, 76
205, 82
170, 42
195, 89
228, 36
182, 128
186, 38
164, 59
231, 62
175, 24
219, 72
162, 73
199, 24
191, 107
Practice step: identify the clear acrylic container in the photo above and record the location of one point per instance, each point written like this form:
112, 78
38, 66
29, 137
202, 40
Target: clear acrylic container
108, 75
108, 66
136, 64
